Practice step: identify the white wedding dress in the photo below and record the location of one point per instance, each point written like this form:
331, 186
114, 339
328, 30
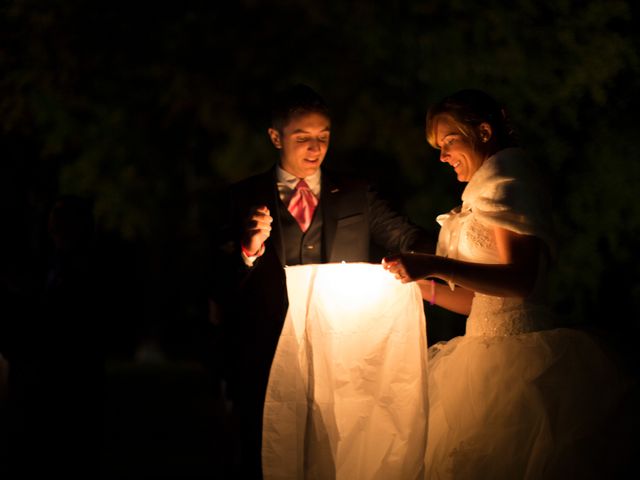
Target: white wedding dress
515, 398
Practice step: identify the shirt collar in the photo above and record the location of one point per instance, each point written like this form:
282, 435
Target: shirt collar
285, 178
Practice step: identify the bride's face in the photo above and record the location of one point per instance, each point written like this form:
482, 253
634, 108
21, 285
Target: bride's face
456, 149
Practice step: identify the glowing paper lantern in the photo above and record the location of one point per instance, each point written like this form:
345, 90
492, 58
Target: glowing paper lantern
347, 394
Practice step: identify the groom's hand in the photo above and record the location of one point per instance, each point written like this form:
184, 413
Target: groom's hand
257, 228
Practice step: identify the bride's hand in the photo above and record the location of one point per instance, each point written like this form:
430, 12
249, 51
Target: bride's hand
407, 267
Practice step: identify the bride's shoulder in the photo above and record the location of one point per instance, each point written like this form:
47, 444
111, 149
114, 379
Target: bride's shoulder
507, 173
507, 164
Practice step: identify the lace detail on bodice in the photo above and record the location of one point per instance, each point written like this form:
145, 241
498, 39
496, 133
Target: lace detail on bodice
499, 316
464, 237
480, 237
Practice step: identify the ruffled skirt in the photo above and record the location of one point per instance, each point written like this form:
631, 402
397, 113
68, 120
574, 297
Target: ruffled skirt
542, 405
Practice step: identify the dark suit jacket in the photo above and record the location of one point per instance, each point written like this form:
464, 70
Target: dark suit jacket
256, 298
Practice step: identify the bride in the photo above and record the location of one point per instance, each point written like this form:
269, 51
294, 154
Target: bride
514, 398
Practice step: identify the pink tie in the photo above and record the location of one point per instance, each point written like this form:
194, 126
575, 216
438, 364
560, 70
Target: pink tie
302, 205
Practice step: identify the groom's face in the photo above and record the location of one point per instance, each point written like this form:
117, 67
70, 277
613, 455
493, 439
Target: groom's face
303, 143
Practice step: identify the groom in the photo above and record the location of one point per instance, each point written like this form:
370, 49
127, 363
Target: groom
294, 213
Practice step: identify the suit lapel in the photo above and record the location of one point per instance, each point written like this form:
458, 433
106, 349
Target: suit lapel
329, 196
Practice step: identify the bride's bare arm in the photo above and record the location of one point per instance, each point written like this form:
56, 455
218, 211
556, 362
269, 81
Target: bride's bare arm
515, 277
458, 300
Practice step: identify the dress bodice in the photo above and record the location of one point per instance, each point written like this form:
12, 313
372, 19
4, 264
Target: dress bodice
503, 192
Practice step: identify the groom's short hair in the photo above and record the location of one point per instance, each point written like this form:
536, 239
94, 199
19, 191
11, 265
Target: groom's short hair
296, 100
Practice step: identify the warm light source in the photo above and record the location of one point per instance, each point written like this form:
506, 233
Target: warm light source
347, 395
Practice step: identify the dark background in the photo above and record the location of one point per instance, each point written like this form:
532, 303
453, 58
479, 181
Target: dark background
149, 109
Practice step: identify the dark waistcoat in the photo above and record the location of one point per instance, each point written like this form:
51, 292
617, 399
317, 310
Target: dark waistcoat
301, 248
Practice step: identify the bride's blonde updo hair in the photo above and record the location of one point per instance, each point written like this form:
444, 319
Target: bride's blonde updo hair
467, 109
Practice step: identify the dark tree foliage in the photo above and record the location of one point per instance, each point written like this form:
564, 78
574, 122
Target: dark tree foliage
151, 108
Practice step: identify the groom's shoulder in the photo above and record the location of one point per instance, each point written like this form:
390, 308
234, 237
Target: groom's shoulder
346, 181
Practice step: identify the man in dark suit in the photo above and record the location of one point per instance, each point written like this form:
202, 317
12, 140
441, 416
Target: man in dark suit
345, 216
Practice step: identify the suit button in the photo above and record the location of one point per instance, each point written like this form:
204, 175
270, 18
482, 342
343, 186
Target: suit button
309, 247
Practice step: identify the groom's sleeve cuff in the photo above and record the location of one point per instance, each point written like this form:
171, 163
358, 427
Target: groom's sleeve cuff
248, 257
